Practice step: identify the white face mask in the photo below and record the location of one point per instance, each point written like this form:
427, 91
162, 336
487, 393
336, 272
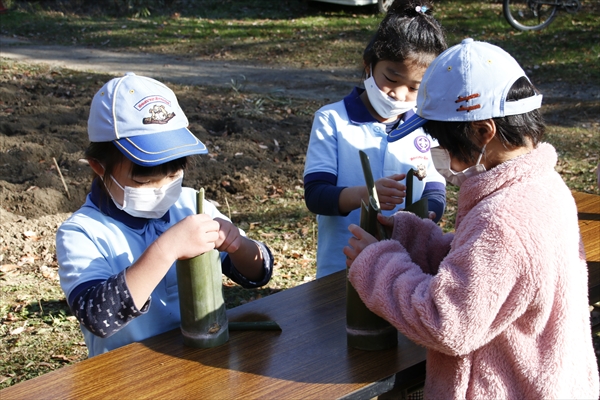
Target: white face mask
149, 202
383, 104
441, 160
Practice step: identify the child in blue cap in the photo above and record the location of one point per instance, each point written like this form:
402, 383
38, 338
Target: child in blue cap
117, 253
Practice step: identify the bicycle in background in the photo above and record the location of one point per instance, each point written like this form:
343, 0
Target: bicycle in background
533, 15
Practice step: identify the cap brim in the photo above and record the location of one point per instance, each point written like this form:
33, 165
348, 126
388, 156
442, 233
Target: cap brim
161, 147
414, 122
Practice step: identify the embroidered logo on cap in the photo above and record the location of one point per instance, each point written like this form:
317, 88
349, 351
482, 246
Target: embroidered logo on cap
151, 99
158, 115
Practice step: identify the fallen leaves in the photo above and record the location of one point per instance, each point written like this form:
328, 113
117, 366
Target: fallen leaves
27, 259
49, 273
6, 268
63, 358
18, 330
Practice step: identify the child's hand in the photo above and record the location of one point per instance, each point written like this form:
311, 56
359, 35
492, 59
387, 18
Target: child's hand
357, 243
230, 238
387, 222
190, 237
390, 191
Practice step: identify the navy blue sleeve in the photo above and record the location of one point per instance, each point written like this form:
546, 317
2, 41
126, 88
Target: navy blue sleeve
321, 194
232, 273
435, 192
105, 307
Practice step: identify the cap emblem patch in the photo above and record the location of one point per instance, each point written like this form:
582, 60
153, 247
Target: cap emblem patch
151, 99
158, 115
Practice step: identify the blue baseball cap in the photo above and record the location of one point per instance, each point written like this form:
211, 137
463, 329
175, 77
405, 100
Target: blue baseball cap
467, 82
142, 117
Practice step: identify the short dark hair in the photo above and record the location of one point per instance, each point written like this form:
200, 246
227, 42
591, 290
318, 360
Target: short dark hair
512, 130
108, 155
405, 33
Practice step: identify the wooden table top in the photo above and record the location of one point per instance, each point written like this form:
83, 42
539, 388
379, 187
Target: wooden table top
588, 209
308, 359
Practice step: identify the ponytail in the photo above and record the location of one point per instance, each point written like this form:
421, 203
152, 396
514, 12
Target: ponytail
408, 31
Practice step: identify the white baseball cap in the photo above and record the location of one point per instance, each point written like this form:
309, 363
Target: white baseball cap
467, 82
142, 117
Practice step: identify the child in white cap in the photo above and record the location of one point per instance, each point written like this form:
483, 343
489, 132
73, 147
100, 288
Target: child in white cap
501, 304
117, 253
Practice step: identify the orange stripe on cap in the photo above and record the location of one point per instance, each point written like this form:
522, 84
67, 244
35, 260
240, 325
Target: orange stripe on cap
467, 98
468, 108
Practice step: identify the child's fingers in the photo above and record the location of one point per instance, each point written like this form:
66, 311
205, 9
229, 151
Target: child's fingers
390, 192
230, 243
204, 239
396, 177
230, 238
360, 238
205, 221
350, 255
192, 236
389, 202
387, 221
357, 243
356, 230
391, 183
386, 206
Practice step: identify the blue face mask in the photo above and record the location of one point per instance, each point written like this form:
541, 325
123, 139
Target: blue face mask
149, 202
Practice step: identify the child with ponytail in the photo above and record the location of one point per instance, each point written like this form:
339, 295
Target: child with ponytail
407, 41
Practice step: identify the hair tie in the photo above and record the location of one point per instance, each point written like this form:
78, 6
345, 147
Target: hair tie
421, 9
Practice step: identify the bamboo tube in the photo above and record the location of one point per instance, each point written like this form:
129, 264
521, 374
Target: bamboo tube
421, 207
366, 166
366, 330
203, 319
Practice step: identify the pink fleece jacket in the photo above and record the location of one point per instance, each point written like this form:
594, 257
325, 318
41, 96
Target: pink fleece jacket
502, 303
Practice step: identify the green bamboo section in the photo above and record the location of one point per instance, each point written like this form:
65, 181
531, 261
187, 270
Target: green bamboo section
373, 198
199, 279
420, 208
364, 329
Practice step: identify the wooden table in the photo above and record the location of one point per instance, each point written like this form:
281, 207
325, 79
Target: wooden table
588, 209
308, 359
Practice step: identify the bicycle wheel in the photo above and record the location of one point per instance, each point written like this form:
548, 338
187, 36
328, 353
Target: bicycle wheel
529, 15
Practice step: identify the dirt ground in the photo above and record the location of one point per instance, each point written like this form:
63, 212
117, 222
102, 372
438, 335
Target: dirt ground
257, 141
256, 151
257, 144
